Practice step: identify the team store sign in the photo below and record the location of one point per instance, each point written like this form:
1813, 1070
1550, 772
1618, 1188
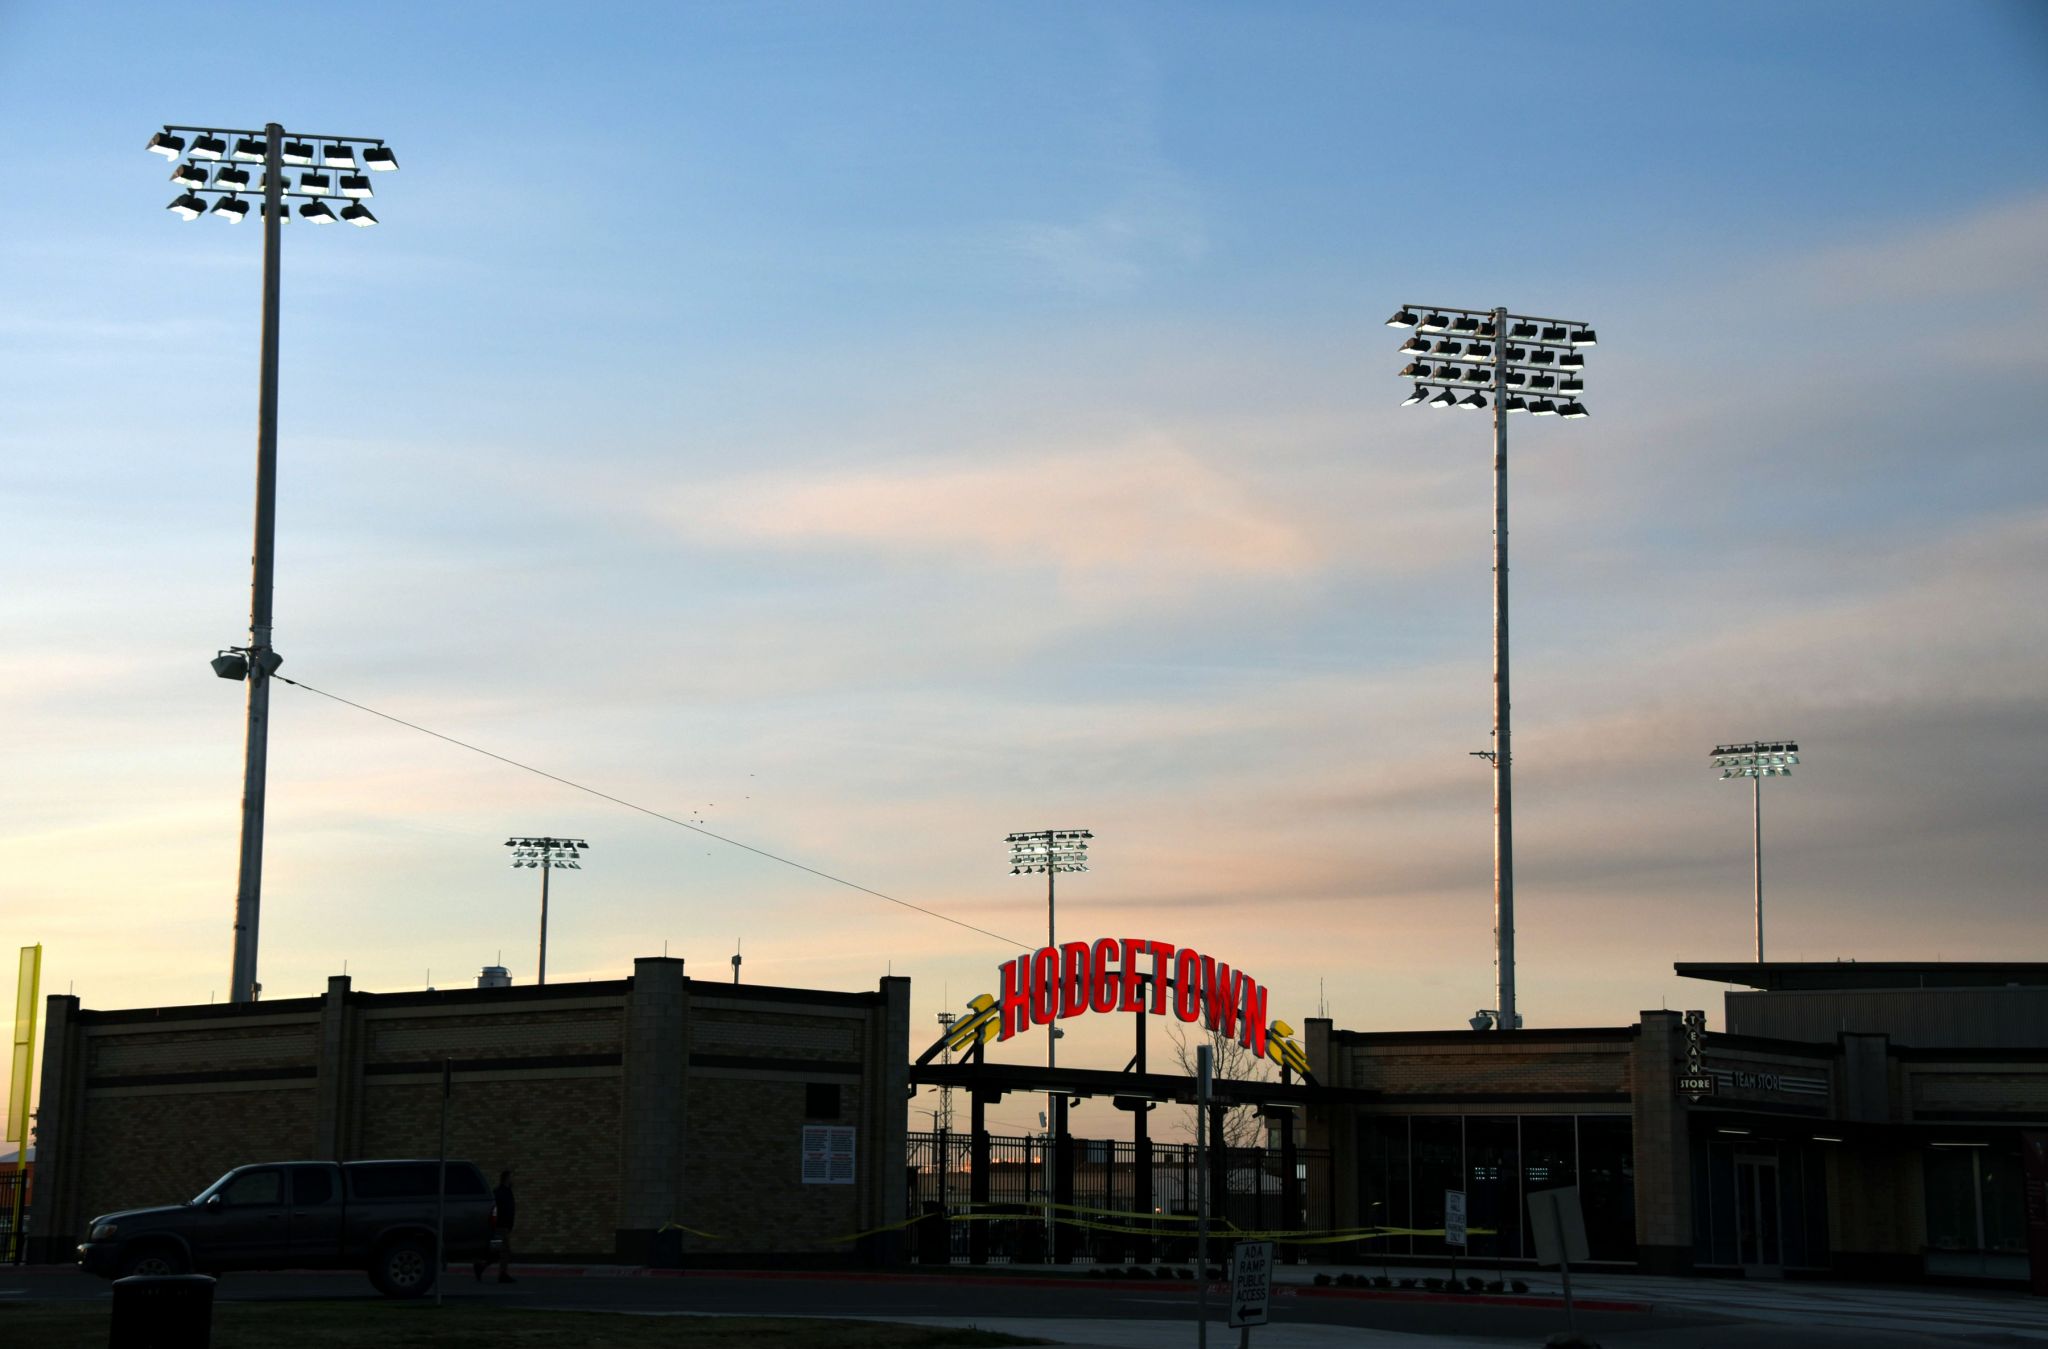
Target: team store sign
1127, 974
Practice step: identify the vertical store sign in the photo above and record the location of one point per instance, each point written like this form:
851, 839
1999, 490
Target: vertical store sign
1696, 1080
828, 1154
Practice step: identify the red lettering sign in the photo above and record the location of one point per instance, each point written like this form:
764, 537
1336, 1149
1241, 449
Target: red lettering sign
1109, 975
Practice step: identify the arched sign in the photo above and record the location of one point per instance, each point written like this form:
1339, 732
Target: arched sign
1128, 975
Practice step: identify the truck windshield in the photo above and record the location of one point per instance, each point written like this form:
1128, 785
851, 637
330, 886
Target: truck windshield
200, 1198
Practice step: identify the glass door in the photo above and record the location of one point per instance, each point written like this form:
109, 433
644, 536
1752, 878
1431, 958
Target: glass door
1756, 1217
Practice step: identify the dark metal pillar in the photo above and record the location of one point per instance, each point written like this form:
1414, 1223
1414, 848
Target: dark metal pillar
1063, 1231
977, 1182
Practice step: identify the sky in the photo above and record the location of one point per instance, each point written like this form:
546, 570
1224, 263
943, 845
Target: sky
863, 431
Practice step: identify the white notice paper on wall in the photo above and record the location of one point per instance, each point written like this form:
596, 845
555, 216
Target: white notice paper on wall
828, 1154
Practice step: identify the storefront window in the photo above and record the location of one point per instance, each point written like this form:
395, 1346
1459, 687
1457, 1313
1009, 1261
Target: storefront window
1974, 1200
1607, 1185
1493, 1189
1383, 1176
1437, 1146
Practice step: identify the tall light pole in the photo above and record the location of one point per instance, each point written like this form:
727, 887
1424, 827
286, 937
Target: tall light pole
211, 169
1757, 760
550, 854
1050, 851
1532, 365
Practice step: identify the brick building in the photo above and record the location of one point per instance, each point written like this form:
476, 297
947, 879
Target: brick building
1869, 1120
623, 1105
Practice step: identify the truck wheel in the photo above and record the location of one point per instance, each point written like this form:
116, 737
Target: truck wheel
159, 1258
403, 1267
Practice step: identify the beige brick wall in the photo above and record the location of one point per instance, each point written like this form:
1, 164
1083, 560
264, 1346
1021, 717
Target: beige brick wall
1516, 1068
742, 1168
158, 1147
559, 1136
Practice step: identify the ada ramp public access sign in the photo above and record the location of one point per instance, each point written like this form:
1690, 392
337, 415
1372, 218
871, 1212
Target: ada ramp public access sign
1251, 1283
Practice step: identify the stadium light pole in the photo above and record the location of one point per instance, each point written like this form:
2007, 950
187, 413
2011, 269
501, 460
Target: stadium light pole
1533, 365
1757, 760
214, 174
1051, 851
546, 854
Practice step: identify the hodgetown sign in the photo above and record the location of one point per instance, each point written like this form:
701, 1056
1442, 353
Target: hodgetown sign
1127, 974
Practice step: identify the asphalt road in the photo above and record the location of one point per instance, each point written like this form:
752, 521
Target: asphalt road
942, 1296
993, 1300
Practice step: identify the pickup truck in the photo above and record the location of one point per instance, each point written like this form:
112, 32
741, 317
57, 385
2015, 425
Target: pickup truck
374, 1216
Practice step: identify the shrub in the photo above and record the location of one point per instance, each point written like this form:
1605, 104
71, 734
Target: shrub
1322, 1281
1520, 1286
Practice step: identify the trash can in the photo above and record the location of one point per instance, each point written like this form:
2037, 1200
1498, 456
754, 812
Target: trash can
162, 1311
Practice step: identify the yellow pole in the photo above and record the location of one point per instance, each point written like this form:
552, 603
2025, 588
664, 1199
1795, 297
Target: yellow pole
27, 994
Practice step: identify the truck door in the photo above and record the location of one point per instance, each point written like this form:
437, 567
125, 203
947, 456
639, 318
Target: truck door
315, 1231
247, 1226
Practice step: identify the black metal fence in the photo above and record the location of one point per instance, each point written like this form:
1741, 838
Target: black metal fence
14, 1188
1102, 1210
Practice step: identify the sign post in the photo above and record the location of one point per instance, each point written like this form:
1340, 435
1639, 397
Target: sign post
441, 1190
1559, 1226
1251, 1287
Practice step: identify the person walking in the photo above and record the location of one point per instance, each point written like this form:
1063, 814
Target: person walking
503, 1209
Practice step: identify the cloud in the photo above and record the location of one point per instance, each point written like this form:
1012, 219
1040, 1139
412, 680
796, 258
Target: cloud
1148, 510
1996, 250
1114, 249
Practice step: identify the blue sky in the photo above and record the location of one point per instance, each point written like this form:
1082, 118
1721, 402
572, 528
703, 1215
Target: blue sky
875, 428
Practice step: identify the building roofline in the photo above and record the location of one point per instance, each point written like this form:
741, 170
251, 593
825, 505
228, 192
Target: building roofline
1866, 975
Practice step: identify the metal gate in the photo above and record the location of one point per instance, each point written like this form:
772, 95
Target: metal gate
14, 1189
1252, 1197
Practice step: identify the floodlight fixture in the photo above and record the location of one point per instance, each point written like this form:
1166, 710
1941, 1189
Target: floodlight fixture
1543, 407
1757, 760
1417, 396
1583, 337
1472, 400
1402, 318
356, 185
545, 853
1446, 399
1572, 411
1434, 323
230, 196
1416, 345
